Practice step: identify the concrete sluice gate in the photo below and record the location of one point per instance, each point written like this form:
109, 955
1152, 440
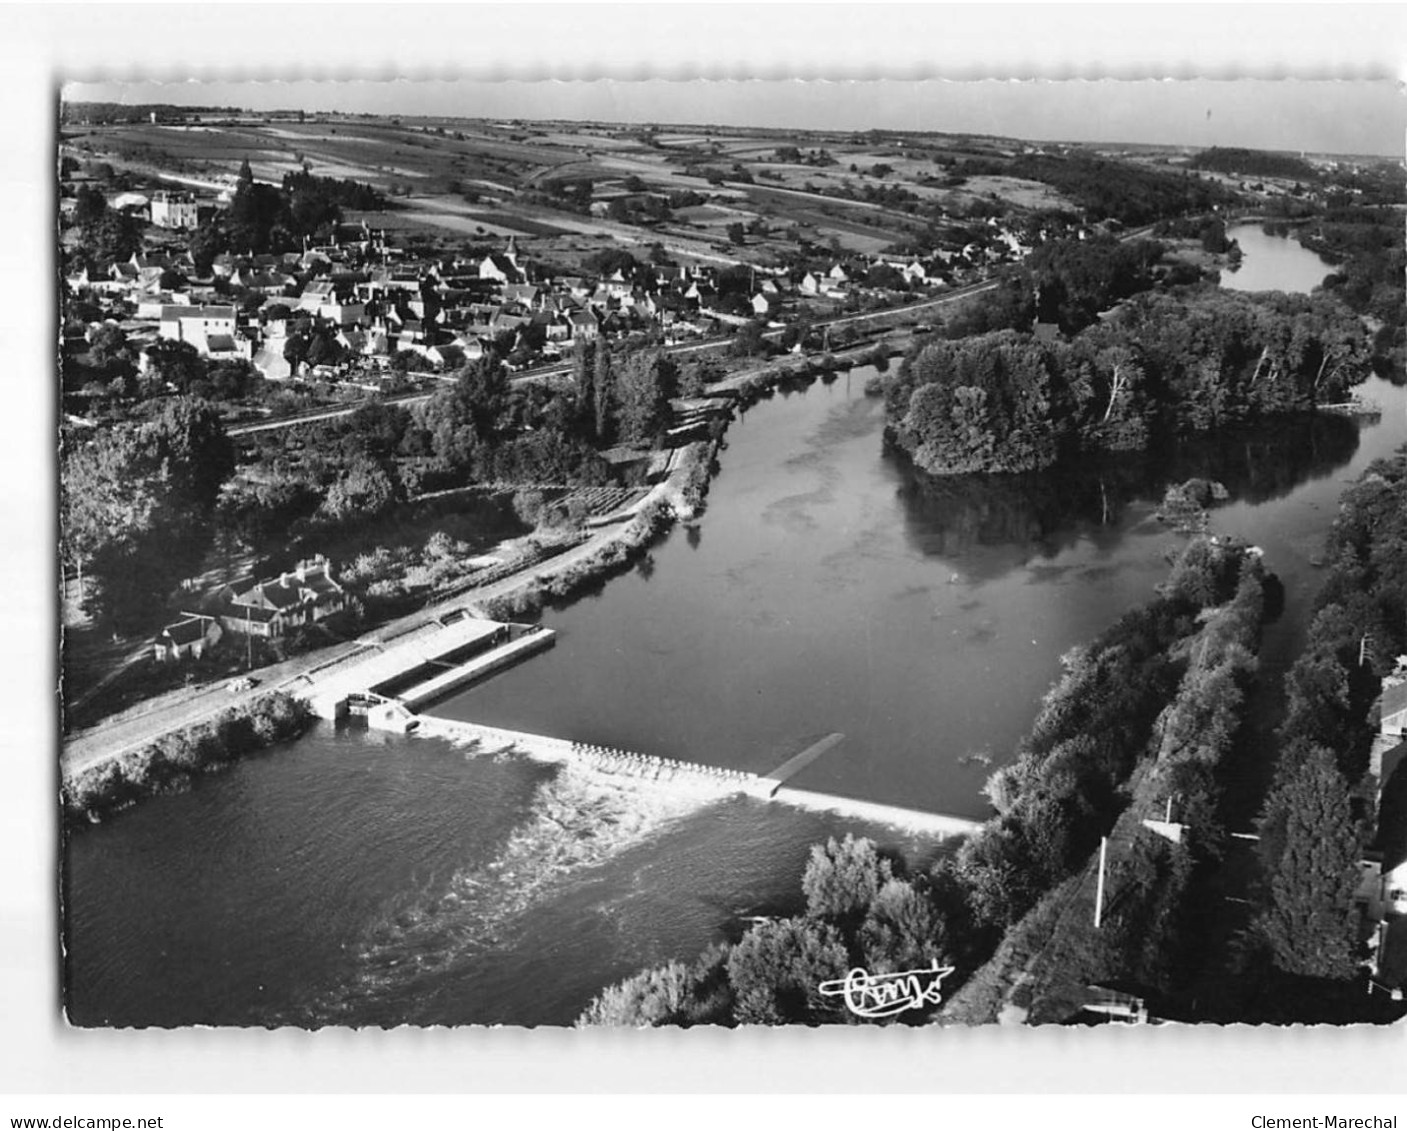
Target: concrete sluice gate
654, 768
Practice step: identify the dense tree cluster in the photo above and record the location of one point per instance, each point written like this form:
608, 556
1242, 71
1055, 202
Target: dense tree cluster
1108, 190
1066, 788
1077, 279
267, 218
1170, 362
136, 505
1312, 835
861, 910
622, 396
1254, 163
1366, 245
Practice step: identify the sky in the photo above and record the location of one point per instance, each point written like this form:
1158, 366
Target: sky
1360, 117
1322, 78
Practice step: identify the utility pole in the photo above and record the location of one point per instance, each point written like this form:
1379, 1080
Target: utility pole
1099, 892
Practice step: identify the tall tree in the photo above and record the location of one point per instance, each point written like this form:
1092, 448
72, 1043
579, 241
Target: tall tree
1311, 850
583, 386
646, 383
189, 442
602, 390
89, 206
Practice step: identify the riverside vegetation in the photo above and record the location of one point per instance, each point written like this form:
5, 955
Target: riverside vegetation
1164, 363
171, 762
1154, 711
1150, 706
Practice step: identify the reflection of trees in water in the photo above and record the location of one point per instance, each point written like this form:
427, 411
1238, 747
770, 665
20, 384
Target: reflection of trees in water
1043, 513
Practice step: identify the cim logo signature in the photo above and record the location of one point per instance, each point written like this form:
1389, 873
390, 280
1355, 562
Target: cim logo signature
886, 995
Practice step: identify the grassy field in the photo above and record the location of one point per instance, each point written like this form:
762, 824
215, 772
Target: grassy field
510, 169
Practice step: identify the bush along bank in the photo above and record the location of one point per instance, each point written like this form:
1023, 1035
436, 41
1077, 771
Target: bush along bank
759, 383
169, 763
681, 498
617, 555
1136, 697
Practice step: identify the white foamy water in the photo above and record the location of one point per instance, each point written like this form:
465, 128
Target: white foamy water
578, 820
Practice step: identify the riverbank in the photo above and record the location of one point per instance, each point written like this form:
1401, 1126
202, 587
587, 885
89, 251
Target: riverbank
611, 547
170, 763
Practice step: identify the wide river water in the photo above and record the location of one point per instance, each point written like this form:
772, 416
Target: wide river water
362, 878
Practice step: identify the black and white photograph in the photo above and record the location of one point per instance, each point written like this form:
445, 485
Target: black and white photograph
870, 548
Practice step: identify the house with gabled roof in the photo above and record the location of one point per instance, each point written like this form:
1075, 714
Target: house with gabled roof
198, 325
188, 638
498, 266
304, 595
151, 306
583, 325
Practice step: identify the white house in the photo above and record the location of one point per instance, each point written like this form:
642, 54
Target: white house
1394, 702
198, 325
174, 210
188, 638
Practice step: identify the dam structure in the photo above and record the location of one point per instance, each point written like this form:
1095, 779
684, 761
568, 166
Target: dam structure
709, 782
388, 682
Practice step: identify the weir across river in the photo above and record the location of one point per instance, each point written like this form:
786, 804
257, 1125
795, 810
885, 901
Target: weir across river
388, 682
693, 777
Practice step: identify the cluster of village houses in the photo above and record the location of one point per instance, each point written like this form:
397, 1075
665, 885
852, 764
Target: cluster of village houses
376, 300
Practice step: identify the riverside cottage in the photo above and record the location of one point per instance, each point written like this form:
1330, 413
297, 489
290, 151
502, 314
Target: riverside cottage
187, 638
304, 595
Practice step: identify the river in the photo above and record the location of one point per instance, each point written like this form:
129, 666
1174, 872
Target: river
373, 879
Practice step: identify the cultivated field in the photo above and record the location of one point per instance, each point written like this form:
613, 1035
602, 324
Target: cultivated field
464, 180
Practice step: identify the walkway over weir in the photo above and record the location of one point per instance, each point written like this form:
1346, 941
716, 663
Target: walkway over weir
692, 777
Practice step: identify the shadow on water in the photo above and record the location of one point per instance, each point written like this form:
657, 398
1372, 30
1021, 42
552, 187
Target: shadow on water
1044, 513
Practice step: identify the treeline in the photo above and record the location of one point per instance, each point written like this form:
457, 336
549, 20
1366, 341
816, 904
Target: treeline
169, 763
1107, 190
1006, 402
1209, 231
343, 193
1254, 163
119, 113
1366, 244
1084, 500
1165, 682
1318, 817
1068, 283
